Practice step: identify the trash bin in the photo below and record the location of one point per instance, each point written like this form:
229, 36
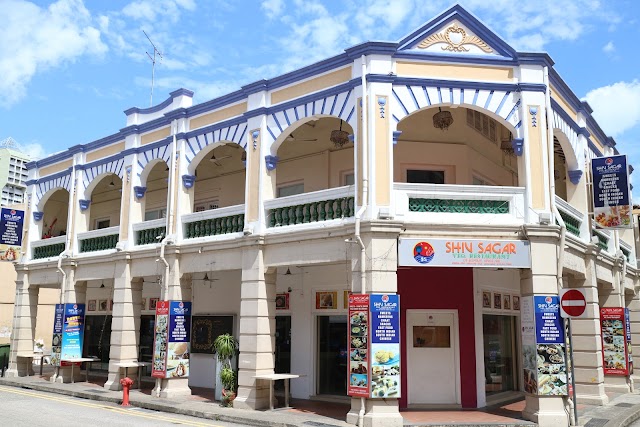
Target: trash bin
4, 357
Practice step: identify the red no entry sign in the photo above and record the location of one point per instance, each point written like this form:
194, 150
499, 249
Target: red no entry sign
572, 303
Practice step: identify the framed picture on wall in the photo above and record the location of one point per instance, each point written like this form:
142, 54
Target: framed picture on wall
282, 301
506, 302
326, 300
91, 305
497, 300
516, 302
486, 299
102, 305
110, 305
143, 303
152, 303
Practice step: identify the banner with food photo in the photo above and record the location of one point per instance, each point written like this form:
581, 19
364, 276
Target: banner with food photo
627, 328
56, 340
614, 345
550, 348
385, 345
11, 223
611, 192
179, 348
161, 339
358, 384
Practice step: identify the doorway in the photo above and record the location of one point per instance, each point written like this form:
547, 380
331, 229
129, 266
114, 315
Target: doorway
332, 355
97, 340
499, 350
433, 358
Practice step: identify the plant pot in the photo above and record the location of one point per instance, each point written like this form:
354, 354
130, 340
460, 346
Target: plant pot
228, 397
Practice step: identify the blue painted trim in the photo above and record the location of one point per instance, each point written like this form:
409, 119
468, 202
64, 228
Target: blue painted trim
597, 131
162, 105
372, 48
535, 58
518, 146
188, 181
396, 136
214, 127
182, 91
84, 204
139, 191
565, 116
584, 132
455, 84
37, 216
594, 148
178, 113
214, 104
335, 90
532, 87
456, 59
574, 176
271, 162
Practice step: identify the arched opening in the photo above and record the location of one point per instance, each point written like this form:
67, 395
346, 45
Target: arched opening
55, 214
220, 178
474, 150
105, 208
154, 202
560, 170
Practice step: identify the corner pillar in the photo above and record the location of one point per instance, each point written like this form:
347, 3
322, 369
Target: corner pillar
23, 328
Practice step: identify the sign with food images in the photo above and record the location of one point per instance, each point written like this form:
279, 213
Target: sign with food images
627, 327
56, 341
161, 339
358, 385
179, 351
611, 201
385, 345
545, 368
72, 332
614, 341
11, 223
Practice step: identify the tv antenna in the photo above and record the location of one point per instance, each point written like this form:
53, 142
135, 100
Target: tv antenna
153, 64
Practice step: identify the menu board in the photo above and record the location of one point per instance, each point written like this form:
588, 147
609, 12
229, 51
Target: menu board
358, 385
68, 333
627, 327
179, 339
56, 341
161, 339
11, 223
614, 355
611, 201
205, 329
385, 345
545, 368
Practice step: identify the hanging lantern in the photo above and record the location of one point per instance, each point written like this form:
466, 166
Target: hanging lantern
442, 119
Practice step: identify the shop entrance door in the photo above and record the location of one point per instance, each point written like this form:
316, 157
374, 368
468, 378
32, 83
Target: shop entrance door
332, 355
433, 357
499, 350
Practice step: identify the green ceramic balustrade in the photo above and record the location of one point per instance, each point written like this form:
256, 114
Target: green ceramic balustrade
215, 226
150, 235
323, 210
99, 243
48, 251
458, 206
603, 240
626, 253
572, 224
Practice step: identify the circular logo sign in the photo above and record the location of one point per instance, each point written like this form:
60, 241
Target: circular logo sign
548, 300
13, 212
385, 298
423, 253
75, 306
181, 305
609, 161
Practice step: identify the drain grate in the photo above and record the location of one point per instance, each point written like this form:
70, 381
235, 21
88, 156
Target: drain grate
625, 405
596, 422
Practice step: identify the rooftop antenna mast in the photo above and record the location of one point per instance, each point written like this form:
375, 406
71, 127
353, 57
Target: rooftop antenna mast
153, 64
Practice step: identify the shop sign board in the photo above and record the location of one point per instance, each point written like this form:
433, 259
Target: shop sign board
611, 201
438, 252
627, 327
179, 339
68, 333
385, 345
614, 341
573, 303
161, 339
358, 345
543, 342
11, 223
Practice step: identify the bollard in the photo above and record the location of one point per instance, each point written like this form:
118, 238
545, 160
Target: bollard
126, 385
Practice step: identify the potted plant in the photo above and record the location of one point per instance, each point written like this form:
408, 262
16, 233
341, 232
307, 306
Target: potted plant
225, 347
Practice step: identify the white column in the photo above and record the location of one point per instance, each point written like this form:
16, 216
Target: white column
23, 328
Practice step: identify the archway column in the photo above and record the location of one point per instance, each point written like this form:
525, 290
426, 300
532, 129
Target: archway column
23, 327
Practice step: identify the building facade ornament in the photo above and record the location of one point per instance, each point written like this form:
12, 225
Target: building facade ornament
455, 38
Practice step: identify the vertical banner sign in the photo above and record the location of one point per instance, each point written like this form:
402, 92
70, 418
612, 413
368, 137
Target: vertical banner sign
385, 345
358, 345
161, 338
72, 332
179, 339
611, 201
11, 223
614, 345
56, 341
545, 368
627, 327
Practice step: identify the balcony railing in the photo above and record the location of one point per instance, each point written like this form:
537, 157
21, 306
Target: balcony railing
47, 248
99, 240
150, 231
603, 238
317, 206
466, 204
214, 222
571, 216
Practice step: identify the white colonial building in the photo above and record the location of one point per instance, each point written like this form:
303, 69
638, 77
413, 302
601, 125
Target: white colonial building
305, 186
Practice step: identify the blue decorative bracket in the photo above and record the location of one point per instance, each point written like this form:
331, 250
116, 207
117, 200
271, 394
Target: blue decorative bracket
37, 216
254, 138
84, 204
518, 146
534, 116
382, 102
574, 176
139, 191
188, 181
271, 161
396, 135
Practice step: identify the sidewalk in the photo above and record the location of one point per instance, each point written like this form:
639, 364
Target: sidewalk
620, 412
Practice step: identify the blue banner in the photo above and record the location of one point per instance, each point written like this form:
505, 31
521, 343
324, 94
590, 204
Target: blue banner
179, 346
73, 331
549, 329
611, 201
11, 224
385, 319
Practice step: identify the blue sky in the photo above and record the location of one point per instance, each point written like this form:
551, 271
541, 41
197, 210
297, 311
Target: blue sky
70, 68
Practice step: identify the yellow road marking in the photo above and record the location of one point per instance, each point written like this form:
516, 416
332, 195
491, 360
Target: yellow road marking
104, 407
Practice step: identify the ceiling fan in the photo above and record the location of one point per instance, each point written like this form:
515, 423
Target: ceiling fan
216, 160
293, 138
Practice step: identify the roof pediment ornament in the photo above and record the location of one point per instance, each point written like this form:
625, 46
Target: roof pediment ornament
455, 39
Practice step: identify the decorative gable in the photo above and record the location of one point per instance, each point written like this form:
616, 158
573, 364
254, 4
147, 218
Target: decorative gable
455, 38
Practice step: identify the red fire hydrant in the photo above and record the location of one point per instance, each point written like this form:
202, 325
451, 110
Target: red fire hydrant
126, 385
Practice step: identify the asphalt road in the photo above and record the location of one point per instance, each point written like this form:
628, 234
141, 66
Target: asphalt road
20, 407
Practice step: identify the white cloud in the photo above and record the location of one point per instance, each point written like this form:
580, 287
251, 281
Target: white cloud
609, 48
34, 150
35, 39
273, 8
615, 107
